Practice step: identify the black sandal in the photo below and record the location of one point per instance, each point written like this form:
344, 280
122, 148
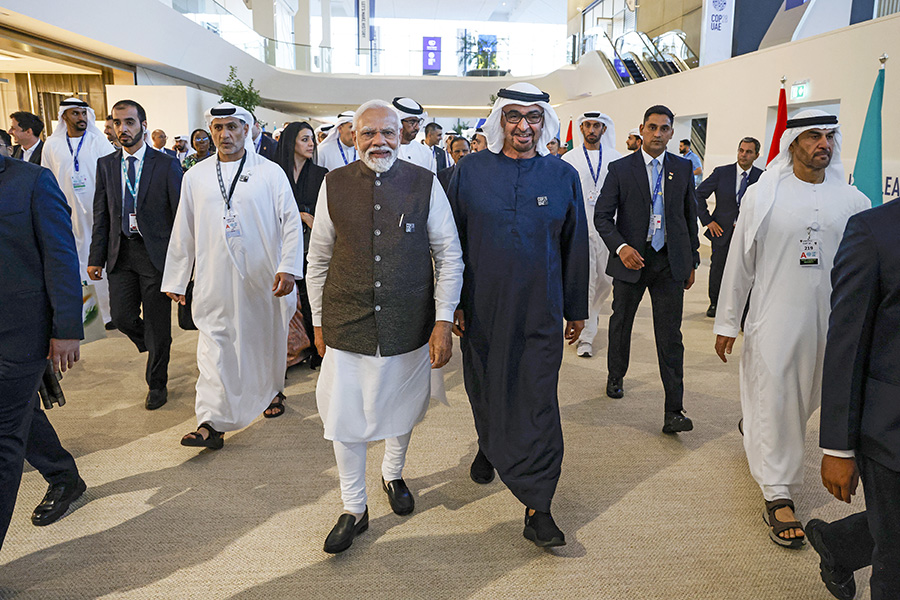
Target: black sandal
777, 527
277, 405
215, 441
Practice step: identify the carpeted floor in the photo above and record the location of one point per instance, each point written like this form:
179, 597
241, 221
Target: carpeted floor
647, 516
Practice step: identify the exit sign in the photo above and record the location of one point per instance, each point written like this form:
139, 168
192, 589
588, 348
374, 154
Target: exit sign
800, 90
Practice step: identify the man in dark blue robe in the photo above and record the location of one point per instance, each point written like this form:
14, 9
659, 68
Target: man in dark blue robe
523, 230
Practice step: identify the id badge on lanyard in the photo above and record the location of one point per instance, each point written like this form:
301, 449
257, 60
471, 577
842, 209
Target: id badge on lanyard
232, 224
79, 178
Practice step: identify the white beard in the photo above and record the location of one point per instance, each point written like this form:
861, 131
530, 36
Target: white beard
380, 165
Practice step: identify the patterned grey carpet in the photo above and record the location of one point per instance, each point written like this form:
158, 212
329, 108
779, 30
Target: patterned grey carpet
647, 516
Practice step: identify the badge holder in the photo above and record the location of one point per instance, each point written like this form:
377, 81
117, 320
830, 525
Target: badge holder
809, 250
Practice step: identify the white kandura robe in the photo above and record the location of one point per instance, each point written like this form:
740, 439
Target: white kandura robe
243, 326
328, 154
59, 160
600, 284
366, 398
785, 331
418, 154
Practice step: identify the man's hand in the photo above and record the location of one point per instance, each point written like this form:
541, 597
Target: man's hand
723, 346
179, 298
319, 341
631, 258
95, 273
690, 282
307, 219
459, 322
715, 229
440, 345
64, 354
573, 330
284, 283
840, 476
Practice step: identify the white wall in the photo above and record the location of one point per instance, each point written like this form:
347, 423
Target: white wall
740, 95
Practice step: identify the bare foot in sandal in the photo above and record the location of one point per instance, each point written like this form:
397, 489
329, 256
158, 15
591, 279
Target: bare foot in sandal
276, 407
786, 515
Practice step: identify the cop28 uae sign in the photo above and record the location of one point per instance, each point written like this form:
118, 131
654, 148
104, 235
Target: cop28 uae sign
717, 32
431, 55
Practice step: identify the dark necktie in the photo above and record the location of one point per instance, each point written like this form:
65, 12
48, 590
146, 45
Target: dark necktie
742, 188
128, 207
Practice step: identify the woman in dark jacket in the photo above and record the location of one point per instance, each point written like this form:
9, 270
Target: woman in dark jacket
295, 153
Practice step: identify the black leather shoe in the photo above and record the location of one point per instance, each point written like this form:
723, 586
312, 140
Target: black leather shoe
110, 326
542, 530
156, 398
402, 501
614, 388
711, 311
342, 534
676, 422
481, 471
56, 502
840, 582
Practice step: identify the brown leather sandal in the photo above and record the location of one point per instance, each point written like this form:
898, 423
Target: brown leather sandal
214, 441
777, 527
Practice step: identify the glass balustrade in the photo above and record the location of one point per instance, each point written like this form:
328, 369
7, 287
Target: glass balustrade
673, 47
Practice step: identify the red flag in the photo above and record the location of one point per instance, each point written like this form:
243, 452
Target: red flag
569, 144
780, 126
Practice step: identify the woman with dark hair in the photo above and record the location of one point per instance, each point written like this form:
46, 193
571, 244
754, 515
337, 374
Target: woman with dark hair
295, 153
203, 148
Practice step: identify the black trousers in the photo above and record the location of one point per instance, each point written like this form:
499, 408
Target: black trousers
717, 264
872, 537
26, 434
667, 298
133, 284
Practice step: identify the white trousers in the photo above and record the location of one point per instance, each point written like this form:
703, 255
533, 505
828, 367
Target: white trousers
774, 492
351, 461
599, 288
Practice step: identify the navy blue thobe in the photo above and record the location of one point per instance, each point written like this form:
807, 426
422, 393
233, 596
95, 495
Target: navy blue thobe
525, 245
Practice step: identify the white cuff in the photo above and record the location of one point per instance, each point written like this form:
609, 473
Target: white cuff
840, 453
444, 314
619, 249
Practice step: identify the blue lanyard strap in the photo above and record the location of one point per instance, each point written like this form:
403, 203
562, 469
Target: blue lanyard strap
594, 176
344, 156
75, 153
137, 178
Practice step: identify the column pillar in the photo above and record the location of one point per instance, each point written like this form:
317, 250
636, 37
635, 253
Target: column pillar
264, 25
302, 36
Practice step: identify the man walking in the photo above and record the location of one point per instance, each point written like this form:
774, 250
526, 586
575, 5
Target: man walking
650, 186
134, 208
729, 183
523, 232
382, 314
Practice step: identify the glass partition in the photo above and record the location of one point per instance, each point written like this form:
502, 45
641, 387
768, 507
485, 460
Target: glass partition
672, 46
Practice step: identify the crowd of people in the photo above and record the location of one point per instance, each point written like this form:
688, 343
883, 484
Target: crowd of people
360, 250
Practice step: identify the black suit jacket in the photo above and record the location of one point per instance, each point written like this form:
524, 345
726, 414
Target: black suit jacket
157, 202
268, 147
723, 183
167, 151
19, 152
444, 176
41, 292
622, 214
861, 381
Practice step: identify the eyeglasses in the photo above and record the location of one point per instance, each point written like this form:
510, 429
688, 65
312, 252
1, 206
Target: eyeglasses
369, 134
412, 120
203, 139
513, 117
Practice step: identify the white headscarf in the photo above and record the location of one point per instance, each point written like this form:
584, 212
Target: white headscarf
636, 132
407, 107
607, 140
524, 94
766, 189
61, 129
333, 133
227, 109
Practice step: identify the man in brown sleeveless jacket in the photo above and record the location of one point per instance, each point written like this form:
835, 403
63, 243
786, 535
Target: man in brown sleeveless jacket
384, 277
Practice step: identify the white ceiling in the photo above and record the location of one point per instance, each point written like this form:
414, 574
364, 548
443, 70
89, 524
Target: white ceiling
521, 11
13, 62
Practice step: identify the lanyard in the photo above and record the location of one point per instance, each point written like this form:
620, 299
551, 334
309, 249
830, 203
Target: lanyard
657, 190
227, 195
344, 156
259, 143
137, 178
75, 153
591, 168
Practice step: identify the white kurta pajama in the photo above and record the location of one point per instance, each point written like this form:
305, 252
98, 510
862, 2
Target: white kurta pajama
243, 326
57, 157
600, 284
785, 330
367, 398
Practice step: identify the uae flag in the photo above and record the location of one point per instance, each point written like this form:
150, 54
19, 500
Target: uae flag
569, 144
780, 126
867, 173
